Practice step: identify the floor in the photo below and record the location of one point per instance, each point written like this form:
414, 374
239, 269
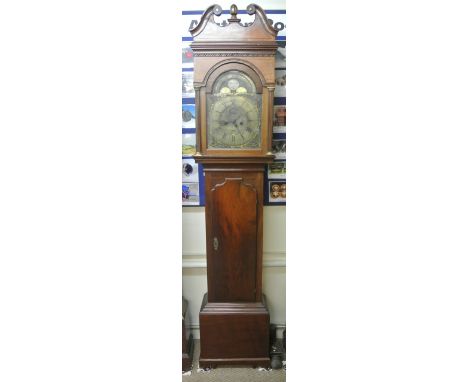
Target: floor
231, 374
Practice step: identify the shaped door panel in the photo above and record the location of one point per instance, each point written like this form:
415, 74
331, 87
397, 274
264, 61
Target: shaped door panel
234, 241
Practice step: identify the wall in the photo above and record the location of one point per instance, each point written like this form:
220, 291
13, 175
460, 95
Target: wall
274, 262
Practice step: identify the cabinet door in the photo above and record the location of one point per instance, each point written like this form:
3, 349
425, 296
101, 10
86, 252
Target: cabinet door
233, 241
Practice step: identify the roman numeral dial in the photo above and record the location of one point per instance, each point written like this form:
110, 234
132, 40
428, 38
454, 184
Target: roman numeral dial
234, 113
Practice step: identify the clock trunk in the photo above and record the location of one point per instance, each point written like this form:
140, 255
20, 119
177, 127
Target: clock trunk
234, 211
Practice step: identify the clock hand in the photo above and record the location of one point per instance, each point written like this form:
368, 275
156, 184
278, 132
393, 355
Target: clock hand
238, 130
239, 122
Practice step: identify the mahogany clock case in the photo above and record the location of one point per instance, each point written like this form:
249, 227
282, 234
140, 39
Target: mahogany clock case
234, 83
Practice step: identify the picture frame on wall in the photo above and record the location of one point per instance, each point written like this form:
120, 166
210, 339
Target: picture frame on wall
280, 59
277, 170
188, 144
190, 194
280, 83
279, 119
189, 170
187, 55
188, 90
279, 148
277, 191
188, 116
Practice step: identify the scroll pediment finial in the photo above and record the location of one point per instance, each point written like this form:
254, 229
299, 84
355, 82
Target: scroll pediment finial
251, 9
217, 10
208, 29
233, 10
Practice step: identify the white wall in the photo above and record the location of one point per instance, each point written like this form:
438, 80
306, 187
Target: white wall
194, 283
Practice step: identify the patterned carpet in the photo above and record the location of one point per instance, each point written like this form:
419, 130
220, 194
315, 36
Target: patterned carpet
231, 374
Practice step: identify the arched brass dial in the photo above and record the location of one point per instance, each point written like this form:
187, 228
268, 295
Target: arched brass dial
234, 113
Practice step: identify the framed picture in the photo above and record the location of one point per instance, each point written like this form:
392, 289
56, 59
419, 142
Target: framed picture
277, 170
277, 191
187, 85
188, 116
280, 59
188, 144
280, 82
189, 170
190, 194
187, 55
278, 147
279, 119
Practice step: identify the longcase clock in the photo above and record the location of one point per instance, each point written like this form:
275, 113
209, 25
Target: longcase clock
234, 80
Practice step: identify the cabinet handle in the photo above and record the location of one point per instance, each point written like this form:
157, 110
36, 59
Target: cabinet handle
215, 243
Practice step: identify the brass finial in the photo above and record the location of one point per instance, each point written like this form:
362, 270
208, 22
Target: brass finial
234, 11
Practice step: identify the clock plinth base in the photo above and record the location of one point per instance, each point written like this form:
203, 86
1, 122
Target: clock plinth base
234, 333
